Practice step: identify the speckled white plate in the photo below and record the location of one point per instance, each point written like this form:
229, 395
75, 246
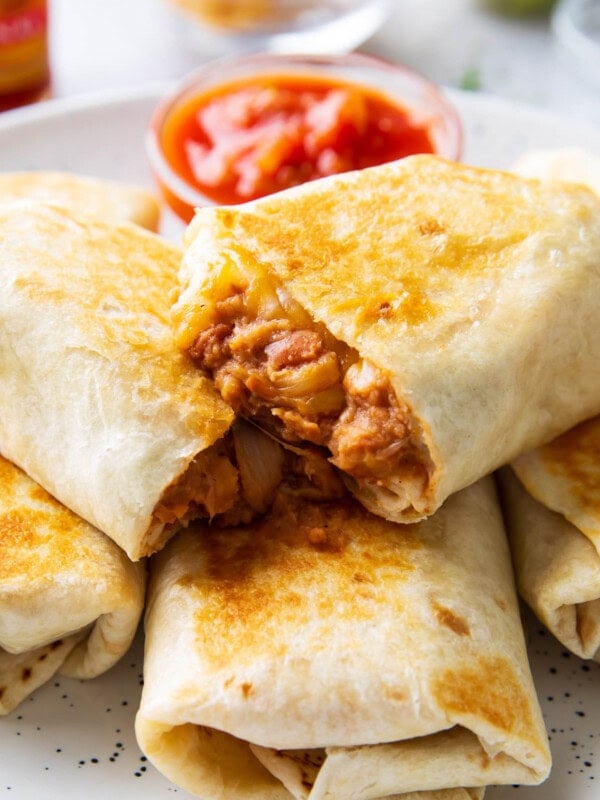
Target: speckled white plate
73, 740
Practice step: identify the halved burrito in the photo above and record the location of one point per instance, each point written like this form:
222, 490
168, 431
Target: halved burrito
108, 200
324, 652
96, 403
553, 518
70, 599
424, 321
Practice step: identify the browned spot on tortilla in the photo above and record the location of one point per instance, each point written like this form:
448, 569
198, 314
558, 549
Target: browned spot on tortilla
36, 540
446, 617
246, 689
384, 310
2, 690
377, 308
487, 688
25, 674
576, 456
314, 757
327, 539
398, 695
43, 657
500, 603
430, 227
273, 575
228, 682
360, 577
55, 645
389, 234
226, 218
415, 306
37, 493
8, 475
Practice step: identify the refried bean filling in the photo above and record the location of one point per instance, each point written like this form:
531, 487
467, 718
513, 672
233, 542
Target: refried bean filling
237, 479
296, 380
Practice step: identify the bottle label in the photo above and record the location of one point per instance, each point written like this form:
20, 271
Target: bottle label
23, 26
24, 47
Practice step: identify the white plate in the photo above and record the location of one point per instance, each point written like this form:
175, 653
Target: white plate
72, 739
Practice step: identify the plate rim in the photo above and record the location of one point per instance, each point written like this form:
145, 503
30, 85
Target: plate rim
154, 90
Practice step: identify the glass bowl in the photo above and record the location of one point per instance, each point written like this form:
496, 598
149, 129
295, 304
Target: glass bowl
424, 102
282, 26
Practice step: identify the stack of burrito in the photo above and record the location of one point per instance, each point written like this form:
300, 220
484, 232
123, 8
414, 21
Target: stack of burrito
331, 610
389, 333
100, 409
552, 494
70, 599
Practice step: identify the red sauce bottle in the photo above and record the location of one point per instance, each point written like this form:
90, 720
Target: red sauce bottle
24, 64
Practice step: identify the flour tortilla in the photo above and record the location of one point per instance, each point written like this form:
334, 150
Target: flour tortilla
474, 291
96, 404
389, 656
554, 516
107, 200
70, 599
557, 568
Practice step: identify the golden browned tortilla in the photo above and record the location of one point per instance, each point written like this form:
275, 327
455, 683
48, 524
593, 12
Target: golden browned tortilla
424, 321
324, 652
556, 564
70, 599
96, 403
553, 519
111, 201
553, 510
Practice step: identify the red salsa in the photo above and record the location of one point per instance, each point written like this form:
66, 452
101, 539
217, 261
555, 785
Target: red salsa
249, 138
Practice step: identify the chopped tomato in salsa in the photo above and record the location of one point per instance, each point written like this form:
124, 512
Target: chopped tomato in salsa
247, 139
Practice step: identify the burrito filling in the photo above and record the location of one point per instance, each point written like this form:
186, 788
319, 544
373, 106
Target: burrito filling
237, 478
274, 364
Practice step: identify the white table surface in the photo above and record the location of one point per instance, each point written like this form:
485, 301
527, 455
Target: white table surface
107, 44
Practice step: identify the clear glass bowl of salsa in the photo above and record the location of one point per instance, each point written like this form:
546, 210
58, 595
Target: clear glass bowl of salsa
241, 128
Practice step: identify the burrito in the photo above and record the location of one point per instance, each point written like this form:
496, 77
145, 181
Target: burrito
553, 514
553, 519
324, 652
70, 599
424, 321
96, 403
108, 200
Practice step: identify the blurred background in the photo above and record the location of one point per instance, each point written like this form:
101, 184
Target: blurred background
98, 45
